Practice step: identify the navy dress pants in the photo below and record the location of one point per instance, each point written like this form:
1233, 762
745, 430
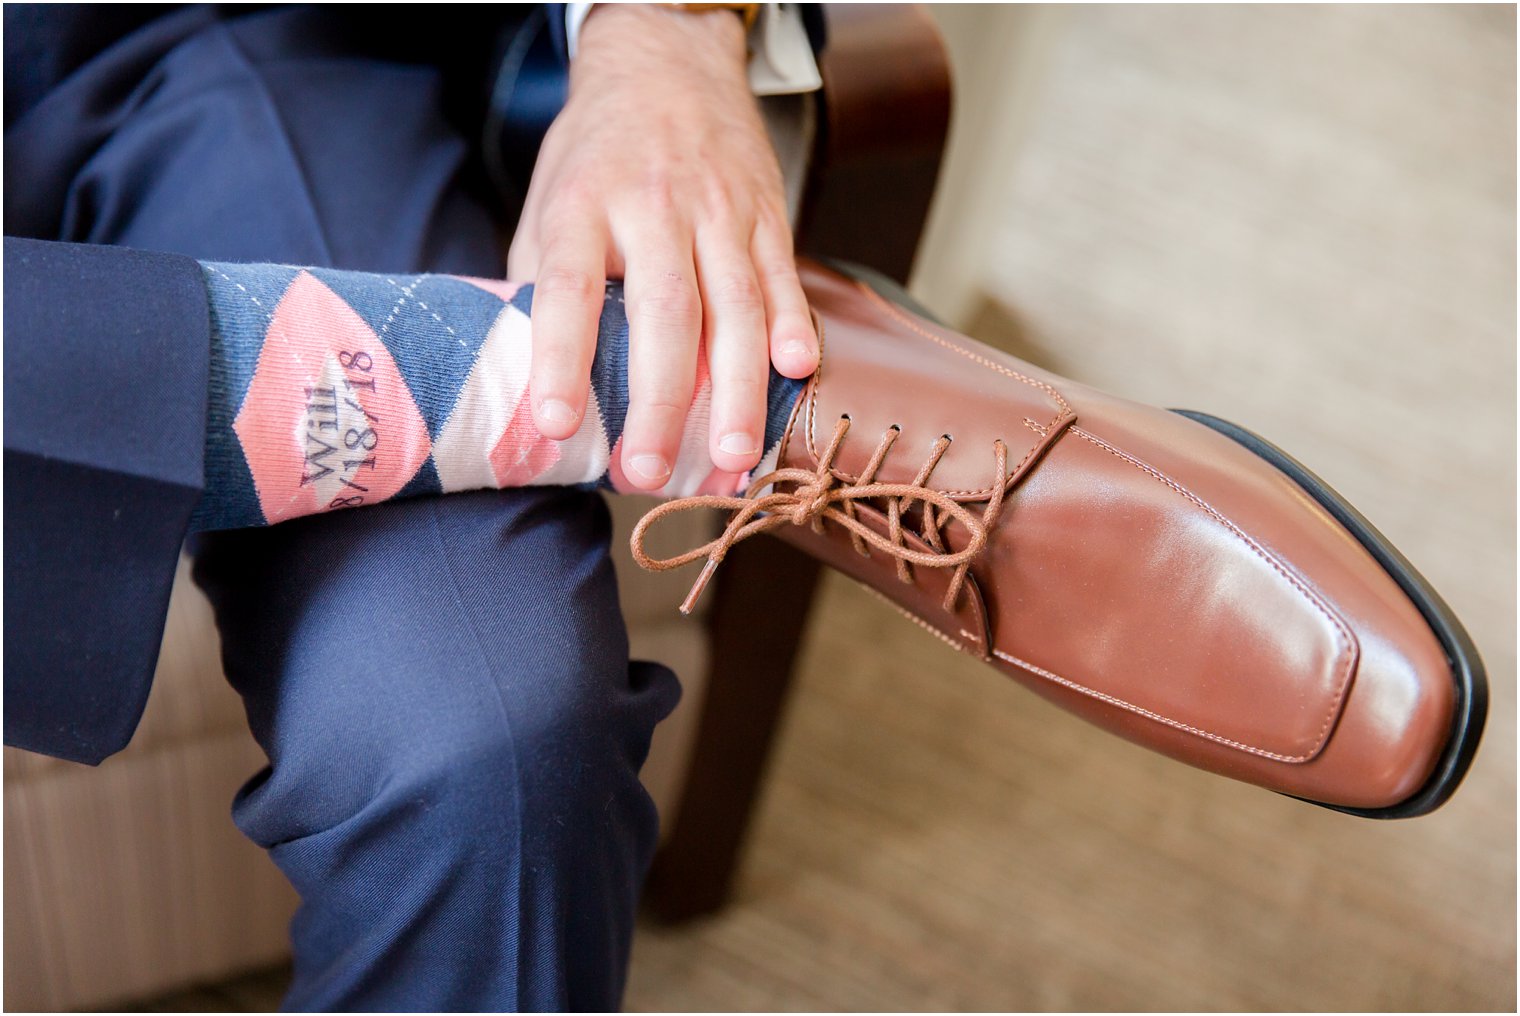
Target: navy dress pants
442, 686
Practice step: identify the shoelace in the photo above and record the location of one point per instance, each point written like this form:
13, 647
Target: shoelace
820, 495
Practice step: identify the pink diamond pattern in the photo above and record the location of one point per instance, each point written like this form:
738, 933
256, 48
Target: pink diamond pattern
522, 454
328, 421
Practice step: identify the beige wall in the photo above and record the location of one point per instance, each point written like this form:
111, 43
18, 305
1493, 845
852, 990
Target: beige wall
1300, 218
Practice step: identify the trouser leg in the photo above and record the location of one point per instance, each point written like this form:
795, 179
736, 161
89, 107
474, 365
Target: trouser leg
454, 733
442, 686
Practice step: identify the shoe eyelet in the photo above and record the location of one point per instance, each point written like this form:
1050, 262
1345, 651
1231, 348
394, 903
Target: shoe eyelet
897, 427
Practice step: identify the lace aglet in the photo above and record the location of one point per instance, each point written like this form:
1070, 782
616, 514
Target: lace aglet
690, 602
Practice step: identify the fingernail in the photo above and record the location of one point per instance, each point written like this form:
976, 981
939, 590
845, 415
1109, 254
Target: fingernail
738, 443
797, 347
651, 467
555, 411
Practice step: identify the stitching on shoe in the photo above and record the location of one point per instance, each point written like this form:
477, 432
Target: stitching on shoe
786, 435
895, 312
925, 625
1345, 637
1092, 692
1347, 650
1140, 710
813, 386
900, 317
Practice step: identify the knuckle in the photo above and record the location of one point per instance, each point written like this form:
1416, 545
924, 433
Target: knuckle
670, 303
657, 196
666, 407
739, 292
720, 200
780, 272
566, 215
734, 209
770, 213
742, 389
561, 283
661, 396
773, 231
771, 221
574, 190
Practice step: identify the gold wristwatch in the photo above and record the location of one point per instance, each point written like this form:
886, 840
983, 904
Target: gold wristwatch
749, 12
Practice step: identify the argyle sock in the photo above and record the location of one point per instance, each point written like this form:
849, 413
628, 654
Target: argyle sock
335, 389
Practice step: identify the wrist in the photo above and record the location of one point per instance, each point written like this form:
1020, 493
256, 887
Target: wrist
632, 39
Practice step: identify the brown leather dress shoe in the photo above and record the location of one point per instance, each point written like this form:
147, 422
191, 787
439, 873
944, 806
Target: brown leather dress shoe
1168, 576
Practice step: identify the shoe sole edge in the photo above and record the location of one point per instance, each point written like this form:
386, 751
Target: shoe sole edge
1468, 676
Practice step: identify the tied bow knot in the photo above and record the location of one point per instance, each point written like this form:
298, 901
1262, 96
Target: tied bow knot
809, 497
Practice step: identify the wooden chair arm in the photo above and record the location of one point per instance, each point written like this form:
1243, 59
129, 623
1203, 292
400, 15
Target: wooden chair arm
885, 117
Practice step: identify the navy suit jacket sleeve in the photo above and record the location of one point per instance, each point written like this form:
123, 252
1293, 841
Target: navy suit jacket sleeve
106, 356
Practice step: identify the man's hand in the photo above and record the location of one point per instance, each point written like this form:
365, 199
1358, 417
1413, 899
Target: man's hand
659, 170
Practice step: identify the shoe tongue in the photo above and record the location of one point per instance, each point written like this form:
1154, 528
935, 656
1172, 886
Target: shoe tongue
884, 366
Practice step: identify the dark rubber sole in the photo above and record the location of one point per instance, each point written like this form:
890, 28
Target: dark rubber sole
1467, 675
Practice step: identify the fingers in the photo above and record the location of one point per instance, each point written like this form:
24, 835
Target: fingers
735, 288
793, 341
734, 325
664, 326
567, 305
